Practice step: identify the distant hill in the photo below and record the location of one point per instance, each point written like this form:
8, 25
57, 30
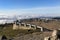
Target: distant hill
56, 18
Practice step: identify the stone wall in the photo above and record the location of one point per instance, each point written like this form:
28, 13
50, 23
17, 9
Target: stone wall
26, 26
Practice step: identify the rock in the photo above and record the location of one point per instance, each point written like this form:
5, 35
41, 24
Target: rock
4, 37
47, 38
54, 35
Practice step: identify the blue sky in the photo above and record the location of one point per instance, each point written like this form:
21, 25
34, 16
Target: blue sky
30, 7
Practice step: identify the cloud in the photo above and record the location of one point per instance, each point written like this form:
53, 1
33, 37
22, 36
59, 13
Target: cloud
45, 11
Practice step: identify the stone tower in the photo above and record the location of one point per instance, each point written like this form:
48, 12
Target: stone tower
15, 27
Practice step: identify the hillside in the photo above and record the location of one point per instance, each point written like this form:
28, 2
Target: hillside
8, 31
50, 24
29, 35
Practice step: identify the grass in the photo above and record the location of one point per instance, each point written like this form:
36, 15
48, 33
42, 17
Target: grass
9, 32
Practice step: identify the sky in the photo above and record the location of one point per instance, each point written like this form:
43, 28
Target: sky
30, 7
